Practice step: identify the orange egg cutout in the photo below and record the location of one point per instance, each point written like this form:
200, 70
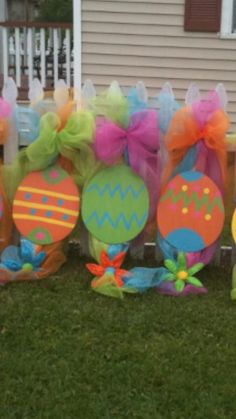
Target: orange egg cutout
190, 213
233, 225
1, 207
46, 206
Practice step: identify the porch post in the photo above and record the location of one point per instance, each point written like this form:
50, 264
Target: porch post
77, 47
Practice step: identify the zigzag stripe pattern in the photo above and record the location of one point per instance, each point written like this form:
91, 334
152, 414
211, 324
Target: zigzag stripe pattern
187, 199
107, 188
120, 219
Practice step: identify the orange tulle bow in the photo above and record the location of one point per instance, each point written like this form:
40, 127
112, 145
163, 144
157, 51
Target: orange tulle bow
4, 130
184, 132
109, 266
65, 112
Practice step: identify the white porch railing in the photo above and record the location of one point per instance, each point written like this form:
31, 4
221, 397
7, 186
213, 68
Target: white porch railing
42, 50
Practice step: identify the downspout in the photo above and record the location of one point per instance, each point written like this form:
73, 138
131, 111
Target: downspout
77, 47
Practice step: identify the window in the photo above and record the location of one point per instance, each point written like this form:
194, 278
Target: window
228, 19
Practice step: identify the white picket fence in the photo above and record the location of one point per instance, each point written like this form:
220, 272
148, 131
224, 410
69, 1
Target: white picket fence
37, 50
19, 130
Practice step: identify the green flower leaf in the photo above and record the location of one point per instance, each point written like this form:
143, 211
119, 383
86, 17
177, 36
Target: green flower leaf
179, 285
233, 294
170, 265
195, 268
194, 281
234, 277
130, 290
169, 277
182, 261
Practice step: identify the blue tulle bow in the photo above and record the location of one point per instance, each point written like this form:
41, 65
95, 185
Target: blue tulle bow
135, 103
28, 124
167, 107
143, 279
115, 249
169, 252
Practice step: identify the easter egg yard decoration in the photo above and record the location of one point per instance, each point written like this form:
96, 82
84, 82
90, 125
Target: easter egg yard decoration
233, 225
1, 207
190, 214
46, 206
115, 205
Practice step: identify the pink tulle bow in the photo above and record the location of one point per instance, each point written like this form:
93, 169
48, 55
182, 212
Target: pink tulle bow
140, 137
139, 142
5, 108
204, 108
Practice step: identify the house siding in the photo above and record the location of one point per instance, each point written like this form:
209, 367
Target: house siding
134, 40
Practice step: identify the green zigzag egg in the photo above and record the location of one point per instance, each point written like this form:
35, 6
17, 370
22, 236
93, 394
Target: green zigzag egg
115, 205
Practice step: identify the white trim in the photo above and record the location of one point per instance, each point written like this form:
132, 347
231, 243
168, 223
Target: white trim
68, 57
42, 57
226, 20
5, 53
55, 55
228, 35
77, 47
30, 54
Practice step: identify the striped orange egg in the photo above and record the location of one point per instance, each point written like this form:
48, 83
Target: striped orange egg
233, 226
46, 206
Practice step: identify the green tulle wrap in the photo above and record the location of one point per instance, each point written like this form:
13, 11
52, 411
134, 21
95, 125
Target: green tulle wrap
113, 105
96, 247
73, 142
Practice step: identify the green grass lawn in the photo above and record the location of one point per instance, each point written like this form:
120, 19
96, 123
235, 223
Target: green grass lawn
67, 352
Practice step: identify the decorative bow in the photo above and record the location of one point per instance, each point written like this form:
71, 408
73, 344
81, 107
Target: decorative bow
76, 136
139, 143
185, 132
5, 108
140, 139
5, 113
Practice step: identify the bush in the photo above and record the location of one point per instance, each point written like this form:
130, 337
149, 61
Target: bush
56, 11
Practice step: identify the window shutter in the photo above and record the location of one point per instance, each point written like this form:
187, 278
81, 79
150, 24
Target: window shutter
202, 15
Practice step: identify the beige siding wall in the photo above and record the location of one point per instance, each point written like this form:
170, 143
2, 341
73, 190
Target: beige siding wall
132, 40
